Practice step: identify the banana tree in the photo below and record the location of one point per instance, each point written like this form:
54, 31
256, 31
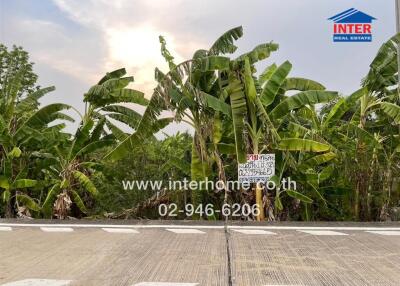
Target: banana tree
377, 104
382, 77
24, 129
68, 168
112, 104
261, 107
189, 89
199, 92
11, 184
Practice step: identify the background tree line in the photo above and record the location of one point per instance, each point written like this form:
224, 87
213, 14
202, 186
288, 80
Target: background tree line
342, 150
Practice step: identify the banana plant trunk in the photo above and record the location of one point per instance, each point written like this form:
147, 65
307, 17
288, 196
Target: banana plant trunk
9, 209
361, 203
260, 203
387, 186
362, 176
199, 172
259, 191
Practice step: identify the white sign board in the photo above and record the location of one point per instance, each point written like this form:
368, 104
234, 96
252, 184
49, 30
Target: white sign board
258, 168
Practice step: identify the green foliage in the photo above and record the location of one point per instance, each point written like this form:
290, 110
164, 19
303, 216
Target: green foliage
28, 202
302, 84
85, 181
16, 73
166, 159
301, 99
239, 110
299, 196
392, 110
297, 144
343, 151
275, 82
225, 43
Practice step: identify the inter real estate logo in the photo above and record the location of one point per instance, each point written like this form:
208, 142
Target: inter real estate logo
352, 26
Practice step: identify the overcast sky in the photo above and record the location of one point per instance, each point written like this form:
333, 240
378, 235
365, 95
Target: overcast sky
74, 42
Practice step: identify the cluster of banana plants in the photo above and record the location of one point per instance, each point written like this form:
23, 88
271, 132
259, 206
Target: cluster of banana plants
46, 172
24, 130
337, 148
342, 150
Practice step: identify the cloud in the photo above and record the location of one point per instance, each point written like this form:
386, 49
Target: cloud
129, 32
75, 42
138, 49
49, 44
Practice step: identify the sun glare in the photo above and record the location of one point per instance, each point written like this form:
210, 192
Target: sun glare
136, 46
138, 50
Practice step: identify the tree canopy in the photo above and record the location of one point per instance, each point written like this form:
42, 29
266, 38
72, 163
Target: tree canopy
342, 150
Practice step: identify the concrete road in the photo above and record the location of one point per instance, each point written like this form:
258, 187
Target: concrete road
160, 254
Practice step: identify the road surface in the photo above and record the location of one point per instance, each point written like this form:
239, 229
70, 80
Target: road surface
165, 254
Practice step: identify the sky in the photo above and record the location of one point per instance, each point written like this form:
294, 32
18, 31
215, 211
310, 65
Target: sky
73, 43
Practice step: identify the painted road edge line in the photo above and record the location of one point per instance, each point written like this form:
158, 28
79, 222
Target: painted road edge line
362, 228
114, 225
5, 228
135, 226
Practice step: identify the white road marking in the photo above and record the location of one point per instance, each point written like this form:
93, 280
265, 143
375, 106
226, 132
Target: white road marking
134, 226
5, 228
387, 232
57, 229
254, 231
120, 230
164, 226
38, 282
322, 232
185, 230
164, 284
364, 228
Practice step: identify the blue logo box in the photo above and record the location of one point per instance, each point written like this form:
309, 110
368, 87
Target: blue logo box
352, 37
